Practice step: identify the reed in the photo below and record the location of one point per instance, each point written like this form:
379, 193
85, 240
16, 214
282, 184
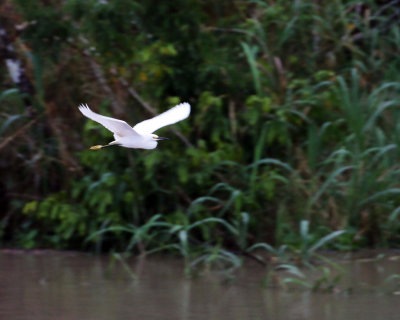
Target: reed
295, 123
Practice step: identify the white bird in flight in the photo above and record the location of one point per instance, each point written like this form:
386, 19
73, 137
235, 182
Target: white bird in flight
141, 135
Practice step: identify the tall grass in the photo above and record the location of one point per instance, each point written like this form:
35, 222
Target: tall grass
295, 118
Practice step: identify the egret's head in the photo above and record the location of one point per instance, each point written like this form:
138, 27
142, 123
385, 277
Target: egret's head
157, 138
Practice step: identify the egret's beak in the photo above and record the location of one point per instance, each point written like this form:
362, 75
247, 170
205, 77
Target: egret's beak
162, 138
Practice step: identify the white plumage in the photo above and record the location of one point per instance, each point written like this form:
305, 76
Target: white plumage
141, 135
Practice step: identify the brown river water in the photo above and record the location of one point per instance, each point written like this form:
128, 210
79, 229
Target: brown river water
68, 286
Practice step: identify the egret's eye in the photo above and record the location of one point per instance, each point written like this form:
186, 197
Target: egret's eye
155, 136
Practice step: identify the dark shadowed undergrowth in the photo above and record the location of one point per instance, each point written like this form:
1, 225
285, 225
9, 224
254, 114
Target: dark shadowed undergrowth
292, 145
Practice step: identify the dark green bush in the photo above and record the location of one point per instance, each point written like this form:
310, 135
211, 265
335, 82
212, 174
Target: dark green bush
294, 118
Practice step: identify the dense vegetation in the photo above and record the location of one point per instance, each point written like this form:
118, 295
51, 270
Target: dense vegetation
294, 132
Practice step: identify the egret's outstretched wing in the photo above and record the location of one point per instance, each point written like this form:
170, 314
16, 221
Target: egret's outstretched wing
175, 114
118, 127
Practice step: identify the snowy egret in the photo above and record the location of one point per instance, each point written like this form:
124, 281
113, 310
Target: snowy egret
141, 135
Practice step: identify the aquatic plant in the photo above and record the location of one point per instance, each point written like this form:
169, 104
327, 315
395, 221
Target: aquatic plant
294, 119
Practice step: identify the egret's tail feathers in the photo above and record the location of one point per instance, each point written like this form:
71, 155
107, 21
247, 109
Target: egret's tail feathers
96, 147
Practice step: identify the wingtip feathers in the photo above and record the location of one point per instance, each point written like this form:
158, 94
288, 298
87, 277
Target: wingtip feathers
184, 106
83, 106
84, 109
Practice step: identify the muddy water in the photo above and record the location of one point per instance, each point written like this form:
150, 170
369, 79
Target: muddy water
50, 285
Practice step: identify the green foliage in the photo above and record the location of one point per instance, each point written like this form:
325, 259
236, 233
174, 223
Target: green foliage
294, 121
307, 245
